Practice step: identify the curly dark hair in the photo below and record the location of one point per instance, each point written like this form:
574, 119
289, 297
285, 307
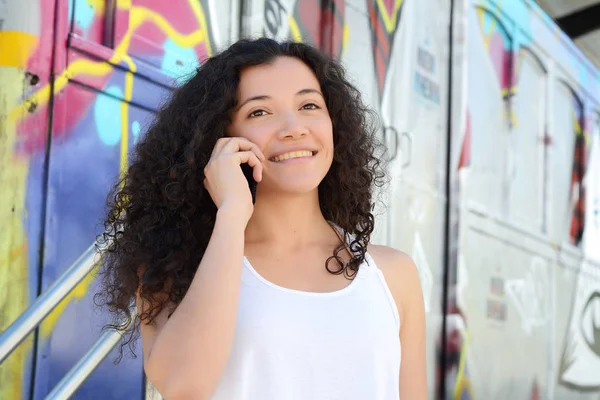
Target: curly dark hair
159, 215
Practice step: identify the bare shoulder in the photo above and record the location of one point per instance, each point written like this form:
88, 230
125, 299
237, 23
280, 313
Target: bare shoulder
400, 273
394, 263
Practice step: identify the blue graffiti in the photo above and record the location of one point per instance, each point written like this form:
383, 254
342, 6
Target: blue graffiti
107, 115
510, 13
178, 62
135, 130
84, 13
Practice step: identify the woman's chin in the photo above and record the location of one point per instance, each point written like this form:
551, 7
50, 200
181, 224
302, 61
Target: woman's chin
290, 187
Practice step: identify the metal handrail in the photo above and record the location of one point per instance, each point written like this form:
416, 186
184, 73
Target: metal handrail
46, 302
42, 306
86, 365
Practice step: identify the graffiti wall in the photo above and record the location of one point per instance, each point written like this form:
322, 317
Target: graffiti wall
523, 310
64, 142
25, 64
523, 294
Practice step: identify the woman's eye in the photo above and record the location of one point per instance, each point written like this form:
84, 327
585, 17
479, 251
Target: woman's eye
257, 113
310, 106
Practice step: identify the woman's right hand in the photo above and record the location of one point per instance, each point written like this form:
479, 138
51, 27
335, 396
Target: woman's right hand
224, 179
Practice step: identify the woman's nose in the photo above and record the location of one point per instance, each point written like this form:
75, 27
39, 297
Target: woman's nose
292, 128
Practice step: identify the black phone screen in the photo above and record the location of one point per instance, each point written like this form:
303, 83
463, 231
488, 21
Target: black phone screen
247, 170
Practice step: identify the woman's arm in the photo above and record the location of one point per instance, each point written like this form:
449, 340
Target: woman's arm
413, 372
402, 277
184, 355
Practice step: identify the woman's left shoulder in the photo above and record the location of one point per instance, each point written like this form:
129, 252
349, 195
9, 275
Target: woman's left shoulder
394, 263
400, 273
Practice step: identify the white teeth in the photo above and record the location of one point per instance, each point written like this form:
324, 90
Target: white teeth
293, 154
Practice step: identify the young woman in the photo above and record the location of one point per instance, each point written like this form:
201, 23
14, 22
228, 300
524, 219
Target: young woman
258, 285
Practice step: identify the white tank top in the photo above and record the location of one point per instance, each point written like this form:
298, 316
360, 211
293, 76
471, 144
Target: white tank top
296, 345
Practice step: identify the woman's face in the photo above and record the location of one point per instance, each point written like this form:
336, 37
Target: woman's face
282, 110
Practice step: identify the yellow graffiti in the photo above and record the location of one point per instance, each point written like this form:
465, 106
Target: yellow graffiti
576, 125
98, 6
124, 4
16, 48
41, 96
294, 29
462, 382
345, 38
481, 17
138, 16
296, 33
580, 130
12, 255
125, 121
82, 288
487, 36
390, 21
14, 276
199, 13
512, 117
508, 91
462, 386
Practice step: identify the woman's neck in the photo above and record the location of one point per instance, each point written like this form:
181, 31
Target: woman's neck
287, 220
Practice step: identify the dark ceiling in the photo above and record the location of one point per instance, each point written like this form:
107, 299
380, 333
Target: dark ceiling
580, 19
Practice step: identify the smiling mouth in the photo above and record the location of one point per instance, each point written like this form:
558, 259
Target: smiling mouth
293, 154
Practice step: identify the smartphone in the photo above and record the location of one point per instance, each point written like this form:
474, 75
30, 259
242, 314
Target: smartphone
247, 170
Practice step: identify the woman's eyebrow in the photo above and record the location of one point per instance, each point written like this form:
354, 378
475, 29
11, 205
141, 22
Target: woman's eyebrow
309, 90
253, 98
265, 97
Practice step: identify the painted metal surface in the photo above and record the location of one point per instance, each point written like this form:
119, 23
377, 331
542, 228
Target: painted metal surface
25, 63
523, 310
